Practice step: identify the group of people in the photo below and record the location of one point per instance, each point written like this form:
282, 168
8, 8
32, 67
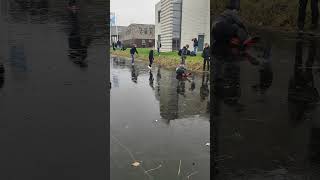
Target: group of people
116, 45
184, 52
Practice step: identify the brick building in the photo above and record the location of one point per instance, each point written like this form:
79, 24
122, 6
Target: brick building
140, 34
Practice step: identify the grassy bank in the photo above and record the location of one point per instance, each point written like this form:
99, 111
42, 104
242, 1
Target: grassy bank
168, 60
278, 14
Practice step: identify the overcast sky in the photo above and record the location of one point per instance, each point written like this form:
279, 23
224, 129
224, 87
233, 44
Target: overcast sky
134, 11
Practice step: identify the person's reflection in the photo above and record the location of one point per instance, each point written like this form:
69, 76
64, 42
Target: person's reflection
77, 51
265, 72
302, 94
134, 74
1, 75
151, 80
192, 84
181, 87
228, 89
158, 83
204, 89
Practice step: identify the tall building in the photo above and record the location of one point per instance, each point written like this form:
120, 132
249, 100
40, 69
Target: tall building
177, 22
195, 22
168, 24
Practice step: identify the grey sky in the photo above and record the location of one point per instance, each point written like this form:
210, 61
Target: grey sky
134, 11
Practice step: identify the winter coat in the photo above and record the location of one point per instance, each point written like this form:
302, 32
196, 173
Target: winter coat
206, 53
133, 50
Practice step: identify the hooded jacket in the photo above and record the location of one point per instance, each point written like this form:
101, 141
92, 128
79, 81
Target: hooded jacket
225, 27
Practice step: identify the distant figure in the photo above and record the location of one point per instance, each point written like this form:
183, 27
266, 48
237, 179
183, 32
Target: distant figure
206, 56
183, 53
158, 47
113, 46
151, 58
133, 51
119, 44
195, 45
302, 14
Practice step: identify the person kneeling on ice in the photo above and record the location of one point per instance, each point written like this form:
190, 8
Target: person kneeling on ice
230, 36
181, 72
151, 58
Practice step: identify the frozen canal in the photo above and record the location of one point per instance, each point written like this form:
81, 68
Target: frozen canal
158, 121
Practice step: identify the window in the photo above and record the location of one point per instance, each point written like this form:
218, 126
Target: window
159, 13
145, 30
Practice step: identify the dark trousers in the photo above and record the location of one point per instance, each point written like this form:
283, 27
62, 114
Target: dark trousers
206, 62
303, 9
150, 62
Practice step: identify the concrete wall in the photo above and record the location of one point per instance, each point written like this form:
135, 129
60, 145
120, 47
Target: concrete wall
195, 21
166, 25
157, 24
170, 23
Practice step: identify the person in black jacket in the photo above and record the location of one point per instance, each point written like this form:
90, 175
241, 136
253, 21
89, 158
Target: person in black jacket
184, 53
133, 50
302, 14
225, 27
206, 56
151, 58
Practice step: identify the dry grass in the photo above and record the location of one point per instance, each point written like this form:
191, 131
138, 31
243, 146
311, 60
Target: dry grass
270, 13
168, 60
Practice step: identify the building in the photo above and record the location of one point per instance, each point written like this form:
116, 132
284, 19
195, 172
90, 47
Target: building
168, 24
140, 34
177, 22
115, 32
195, 22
